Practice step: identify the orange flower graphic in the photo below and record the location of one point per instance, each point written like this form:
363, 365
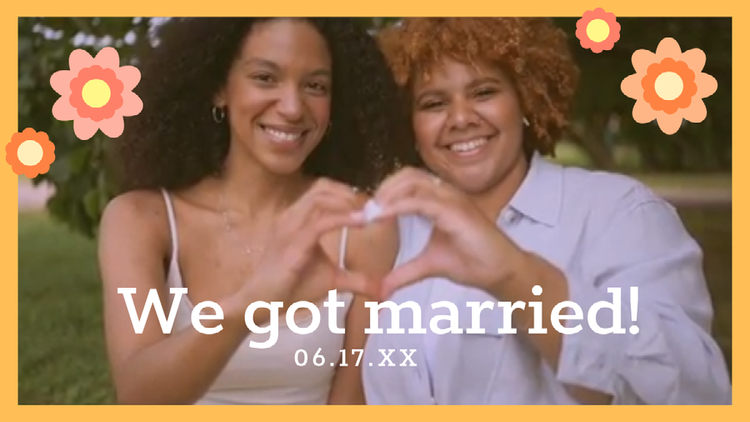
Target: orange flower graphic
598, 30
669, 86
96, 93
30, 153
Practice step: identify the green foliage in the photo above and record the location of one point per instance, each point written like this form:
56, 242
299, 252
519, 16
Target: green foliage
82, 181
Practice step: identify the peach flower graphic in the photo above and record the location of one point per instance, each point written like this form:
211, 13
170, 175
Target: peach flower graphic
96, 93
30, 153
598, 30
669, 86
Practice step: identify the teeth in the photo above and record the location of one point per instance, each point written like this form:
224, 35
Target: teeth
283, 136
469, 145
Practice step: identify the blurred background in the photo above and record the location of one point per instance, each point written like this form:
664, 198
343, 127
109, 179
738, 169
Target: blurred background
60, 335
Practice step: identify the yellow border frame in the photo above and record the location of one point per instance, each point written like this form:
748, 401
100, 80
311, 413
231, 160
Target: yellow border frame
9, 211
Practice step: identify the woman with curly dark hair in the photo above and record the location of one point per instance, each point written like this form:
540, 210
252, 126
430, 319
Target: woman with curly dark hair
490, 222
242, 180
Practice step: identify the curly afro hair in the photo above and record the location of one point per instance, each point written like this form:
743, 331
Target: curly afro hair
174, 142
532, 52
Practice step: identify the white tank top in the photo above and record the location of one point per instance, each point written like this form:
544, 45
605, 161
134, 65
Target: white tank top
277, 375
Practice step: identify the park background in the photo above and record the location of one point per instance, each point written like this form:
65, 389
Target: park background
61, 348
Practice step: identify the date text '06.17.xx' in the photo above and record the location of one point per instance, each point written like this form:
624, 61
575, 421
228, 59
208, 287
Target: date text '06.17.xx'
301, 358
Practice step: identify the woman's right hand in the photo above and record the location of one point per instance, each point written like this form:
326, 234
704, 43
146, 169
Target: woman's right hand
294, 267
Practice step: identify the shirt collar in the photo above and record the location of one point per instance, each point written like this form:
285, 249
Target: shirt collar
540, 195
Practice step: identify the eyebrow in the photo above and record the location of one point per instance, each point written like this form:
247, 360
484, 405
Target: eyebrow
472, 84
487, 79
270, 64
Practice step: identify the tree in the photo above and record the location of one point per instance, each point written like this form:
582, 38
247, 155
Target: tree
696, 147
81, 179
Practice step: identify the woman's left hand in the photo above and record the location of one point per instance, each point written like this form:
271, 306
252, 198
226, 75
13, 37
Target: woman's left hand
465, 247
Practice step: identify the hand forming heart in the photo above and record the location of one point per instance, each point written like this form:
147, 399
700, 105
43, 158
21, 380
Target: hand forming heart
294, 266
465, 247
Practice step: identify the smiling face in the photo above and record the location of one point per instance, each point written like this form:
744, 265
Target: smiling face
468, 125
278, 94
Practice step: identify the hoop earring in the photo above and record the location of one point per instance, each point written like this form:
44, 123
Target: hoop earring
218, 114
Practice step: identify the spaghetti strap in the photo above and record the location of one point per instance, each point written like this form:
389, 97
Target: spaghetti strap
172, 223
342, 248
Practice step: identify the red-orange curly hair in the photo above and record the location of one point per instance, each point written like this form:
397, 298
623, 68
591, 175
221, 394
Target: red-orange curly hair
533, 53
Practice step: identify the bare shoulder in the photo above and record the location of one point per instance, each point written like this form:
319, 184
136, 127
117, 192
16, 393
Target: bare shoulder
143, 206
374, 247
135, 220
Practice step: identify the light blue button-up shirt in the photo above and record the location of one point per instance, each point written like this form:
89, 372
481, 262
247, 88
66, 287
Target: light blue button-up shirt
602, 230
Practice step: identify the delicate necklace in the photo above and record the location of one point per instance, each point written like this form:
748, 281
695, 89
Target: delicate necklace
225, 212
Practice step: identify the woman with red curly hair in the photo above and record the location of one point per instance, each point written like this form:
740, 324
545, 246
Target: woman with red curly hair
500, 236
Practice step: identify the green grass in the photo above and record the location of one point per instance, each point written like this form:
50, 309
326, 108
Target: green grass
61, 350
61, 353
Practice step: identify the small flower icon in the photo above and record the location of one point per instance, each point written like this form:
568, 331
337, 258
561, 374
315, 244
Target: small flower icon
30, 153
96, 93
669, 86
598, 30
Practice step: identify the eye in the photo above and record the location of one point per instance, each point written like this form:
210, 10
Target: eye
263, 78
431, 104
318, 87
485, 92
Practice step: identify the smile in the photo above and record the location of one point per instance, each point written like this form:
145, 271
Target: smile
282, 135
468, 146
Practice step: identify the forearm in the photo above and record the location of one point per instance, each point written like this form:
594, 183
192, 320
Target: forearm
180, 368
347, 388
535, 271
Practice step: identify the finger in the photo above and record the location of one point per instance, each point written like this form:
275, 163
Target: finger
432, 208
394, 185
411, 272
416, 183
323, 187
324, 223
318, 205
356, 283
328, 187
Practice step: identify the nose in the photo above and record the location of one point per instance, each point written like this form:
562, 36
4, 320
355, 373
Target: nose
462, 115
290, 104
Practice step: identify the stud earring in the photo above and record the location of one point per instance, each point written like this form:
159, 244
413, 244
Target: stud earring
218, 114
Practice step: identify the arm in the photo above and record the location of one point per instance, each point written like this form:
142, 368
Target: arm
347, 383
533, 270
381, 237
153, 367
672, 359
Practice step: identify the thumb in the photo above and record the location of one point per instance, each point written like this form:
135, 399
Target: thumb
356, 282
408, 273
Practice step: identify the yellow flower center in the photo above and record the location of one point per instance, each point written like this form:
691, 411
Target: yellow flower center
30, 153
597, 30
668, 86
96, 93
